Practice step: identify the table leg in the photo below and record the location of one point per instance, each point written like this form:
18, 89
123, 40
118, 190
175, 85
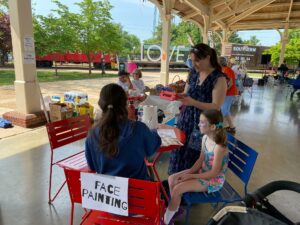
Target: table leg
161, 185
153, 170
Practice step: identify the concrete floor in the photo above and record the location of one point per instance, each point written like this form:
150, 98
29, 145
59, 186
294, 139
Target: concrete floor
269, 122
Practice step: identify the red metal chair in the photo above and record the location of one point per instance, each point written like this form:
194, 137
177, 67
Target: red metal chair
143, 200
61, 133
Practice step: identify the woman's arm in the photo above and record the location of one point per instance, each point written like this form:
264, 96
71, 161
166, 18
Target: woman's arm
186, 88
130, 84
88, 154
218, 96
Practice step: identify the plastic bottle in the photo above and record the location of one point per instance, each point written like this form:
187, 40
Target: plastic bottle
140, 113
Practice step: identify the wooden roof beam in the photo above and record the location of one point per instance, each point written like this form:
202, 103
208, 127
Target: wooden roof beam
223, 15
168, 5
190, 15
264, 25
282, 14
198, 5
216, 3
200, 26
255, 6
282, 4
221, 24
266, 22
222, 11
289, 13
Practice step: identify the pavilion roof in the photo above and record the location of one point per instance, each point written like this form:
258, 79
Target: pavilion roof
236, 14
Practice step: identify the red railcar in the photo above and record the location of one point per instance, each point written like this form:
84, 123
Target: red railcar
76, 57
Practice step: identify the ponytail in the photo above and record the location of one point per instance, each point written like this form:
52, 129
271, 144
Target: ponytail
109, 133
113, 102
214, 60
220, 136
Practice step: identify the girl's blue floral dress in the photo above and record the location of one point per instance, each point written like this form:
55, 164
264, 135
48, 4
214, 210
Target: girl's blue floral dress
216, 183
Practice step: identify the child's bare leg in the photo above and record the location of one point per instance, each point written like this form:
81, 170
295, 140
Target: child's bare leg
173, 179
178, 190
187, 186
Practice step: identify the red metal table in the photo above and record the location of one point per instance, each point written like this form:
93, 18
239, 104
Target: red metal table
181, 137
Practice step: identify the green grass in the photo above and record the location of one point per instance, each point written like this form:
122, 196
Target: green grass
7, 77
255, 75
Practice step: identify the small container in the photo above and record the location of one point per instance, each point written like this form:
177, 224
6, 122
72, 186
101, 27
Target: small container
140, 113
76, 97
55, 98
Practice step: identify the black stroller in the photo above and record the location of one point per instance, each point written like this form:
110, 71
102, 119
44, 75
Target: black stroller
256, 209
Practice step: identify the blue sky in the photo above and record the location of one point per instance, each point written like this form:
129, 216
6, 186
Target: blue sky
137, 18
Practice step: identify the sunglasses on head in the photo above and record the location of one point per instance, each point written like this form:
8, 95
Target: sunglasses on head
198, 53
194, 50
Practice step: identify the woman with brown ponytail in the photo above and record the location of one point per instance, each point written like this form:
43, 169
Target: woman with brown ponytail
206, 90
116, 145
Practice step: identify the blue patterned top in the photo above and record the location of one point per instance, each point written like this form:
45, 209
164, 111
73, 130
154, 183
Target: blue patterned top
215, 183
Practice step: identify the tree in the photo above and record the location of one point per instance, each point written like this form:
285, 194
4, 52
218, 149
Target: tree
53, 35
292, 52
217, 41
130, 44
3, 5
252, 41
235, 38
5, 38
95, 29
179, 34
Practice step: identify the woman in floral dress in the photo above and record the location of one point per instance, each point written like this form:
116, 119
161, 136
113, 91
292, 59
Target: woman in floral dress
207, 90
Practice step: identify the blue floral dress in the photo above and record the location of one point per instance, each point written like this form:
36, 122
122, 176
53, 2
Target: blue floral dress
184, 158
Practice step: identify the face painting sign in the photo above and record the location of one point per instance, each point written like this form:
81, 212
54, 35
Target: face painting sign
105, 193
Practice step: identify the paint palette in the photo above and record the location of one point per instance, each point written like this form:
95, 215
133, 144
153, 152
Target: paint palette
169, 95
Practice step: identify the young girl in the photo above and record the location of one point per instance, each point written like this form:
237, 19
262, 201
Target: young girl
208, 172
124, 80
137, 83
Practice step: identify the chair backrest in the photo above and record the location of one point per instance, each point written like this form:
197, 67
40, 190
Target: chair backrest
143, 196
66, 131
291, 81
242, 159
296, 84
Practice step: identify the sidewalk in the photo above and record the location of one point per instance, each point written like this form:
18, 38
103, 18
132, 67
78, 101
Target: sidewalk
91, 87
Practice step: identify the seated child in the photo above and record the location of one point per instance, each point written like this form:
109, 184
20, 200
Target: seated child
124, 80
208, 172
137, 83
